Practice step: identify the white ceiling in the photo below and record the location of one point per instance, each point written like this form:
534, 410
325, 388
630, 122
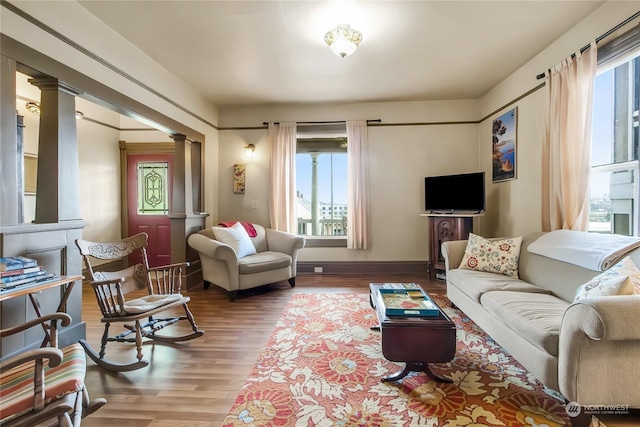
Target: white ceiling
264, 52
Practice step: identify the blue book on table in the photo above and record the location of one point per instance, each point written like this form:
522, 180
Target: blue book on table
11, 279
16, 263
28, 281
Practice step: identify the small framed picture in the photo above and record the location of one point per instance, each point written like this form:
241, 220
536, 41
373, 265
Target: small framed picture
239, 170
505, 135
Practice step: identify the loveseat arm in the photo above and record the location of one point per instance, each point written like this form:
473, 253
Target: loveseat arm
212, 248
218, 261
287, 243
453, 252
598, 352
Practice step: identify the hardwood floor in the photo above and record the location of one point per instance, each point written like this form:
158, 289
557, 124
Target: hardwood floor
195, 383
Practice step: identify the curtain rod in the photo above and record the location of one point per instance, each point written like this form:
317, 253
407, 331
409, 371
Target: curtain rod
608, 33
325, 123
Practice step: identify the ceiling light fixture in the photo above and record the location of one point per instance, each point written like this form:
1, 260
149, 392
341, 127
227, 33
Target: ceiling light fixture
33, 107
343, 40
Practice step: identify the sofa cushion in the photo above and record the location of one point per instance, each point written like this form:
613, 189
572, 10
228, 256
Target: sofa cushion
263, 261
497, 256
475, 283
534, 316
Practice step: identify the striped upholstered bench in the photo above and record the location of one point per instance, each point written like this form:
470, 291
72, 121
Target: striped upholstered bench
45, 383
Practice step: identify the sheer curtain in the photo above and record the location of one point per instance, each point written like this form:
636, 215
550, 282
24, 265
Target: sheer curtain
282, 172
358, 233
566, 145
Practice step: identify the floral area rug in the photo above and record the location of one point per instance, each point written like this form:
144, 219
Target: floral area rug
323, 364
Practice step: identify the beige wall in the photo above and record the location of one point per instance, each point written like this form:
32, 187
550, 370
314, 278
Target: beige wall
400, 156
99, 173
98, 146
399, 159
514, 207
98, 158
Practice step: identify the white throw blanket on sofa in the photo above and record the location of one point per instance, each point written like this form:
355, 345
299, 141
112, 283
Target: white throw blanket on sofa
589, 250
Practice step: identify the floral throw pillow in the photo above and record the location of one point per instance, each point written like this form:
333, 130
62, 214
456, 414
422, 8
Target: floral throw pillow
621, 279
499, 256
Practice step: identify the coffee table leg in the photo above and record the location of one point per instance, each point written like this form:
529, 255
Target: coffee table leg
409, 367
416, 367
435, 377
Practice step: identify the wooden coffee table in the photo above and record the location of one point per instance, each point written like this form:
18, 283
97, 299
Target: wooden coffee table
416, 341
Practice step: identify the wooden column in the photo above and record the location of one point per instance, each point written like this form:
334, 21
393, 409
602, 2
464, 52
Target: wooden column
9, 156
58, 197
184, 221
182, 197
50, 240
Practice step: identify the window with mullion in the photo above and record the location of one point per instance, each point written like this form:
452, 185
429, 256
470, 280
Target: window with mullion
615, 147
321, 186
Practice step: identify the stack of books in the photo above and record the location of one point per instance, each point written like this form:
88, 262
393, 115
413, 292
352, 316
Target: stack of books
21, 270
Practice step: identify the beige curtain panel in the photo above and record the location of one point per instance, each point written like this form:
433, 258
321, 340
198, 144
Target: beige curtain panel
566, 149
358, 196
282, 171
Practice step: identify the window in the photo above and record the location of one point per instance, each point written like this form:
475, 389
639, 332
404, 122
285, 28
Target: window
153, 196
321, 186
615, 141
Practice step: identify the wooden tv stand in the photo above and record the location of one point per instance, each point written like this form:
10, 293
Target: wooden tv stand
442, 228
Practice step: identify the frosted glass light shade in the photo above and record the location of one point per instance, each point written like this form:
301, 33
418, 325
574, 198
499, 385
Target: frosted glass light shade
343, 40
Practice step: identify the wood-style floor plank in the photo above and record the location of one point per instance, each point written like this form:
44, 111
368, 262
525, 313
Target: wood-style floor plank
195, 383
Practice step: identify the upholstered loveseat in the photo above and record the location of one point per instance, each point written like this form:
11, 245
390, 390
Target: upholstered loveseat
275, 259
588, 350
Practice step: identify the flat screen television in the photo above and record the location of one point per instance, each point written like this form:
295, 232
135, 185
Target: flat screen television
454, 193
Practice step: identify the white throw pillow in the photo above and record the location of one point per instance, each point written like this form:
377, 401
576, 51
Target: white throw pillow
500, 256
620, 279
237, 237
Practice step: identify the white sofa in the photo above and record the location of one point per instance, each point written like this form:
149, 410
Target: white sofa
276, 260
589, 350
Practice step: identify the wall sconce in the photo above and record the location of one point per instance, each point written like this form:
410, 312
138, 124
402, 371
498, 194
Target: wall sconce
248, 151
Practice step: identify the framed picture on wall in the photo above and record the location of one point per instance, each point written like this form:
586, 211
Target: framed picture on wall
504, 132
239, 172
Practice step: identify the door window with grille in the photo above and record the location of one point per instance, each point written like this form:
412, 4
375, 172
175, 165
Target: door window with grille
153, 195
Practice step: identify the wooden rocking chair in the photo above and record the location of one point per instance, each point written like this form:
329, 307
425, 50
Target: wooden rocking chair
163, 284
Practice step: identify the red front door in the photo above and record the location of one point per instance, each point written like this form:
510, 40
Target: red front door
149, 178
